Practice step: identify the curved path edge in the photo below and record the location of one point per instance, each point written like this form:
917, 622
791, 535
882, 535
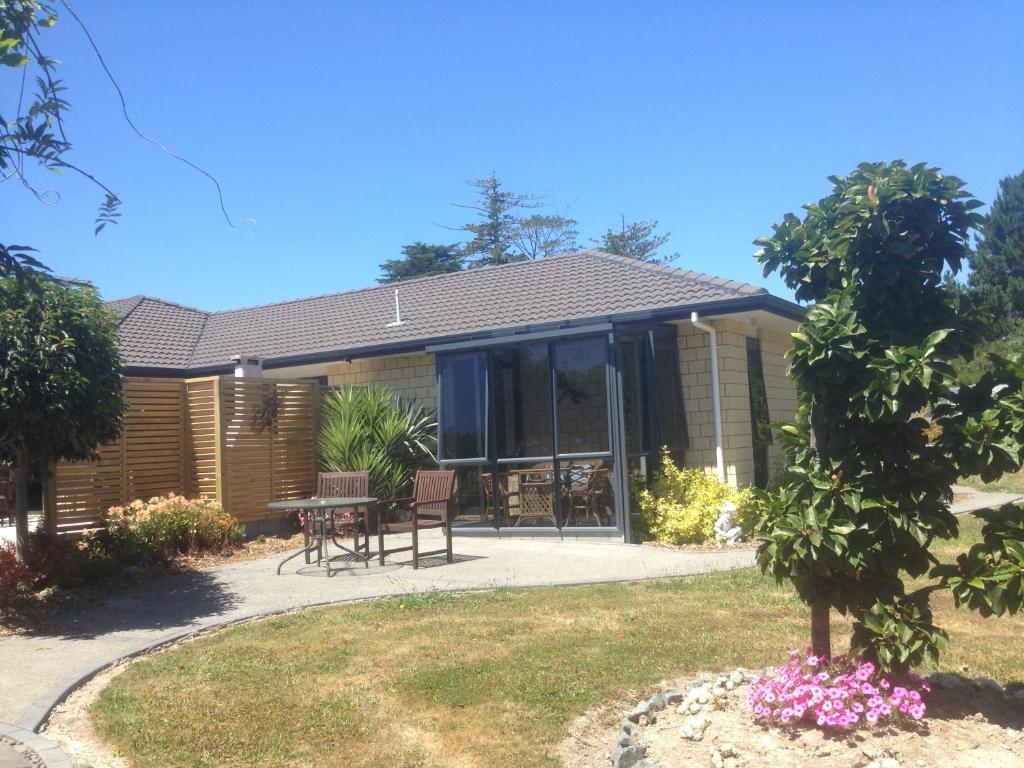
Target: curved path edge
51, 754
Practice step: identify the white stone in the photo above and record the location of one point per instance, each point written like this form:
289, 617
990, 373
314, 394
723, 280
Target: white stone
727, 750
729, 685
889, 762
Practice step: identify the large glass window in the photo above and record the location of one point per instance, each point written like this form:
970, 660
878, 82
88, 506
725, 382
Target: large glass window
668, 390
463, 416
522, 401
581, 395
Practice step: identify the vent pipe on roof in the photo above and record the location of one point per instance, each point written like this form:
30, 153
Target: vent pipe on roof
398, 312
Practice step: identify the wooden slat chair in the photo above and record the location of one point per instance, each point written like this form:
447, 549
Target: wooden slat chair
7, 485
351, 484
428, 507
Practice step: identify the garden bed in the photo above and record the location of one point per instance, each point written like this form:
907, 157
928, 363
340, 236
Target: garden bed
971, 723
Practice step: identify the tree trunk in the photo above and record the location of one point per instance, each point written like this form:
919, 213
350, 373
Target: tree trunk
21, 468
821, 635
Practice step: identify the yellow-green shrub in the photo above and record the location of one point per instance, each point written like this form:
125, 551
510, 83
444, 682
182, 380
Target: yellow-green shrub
681, 505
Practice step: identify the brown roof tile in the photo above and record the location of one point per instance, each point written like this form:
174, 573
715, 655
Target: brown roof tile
577, 286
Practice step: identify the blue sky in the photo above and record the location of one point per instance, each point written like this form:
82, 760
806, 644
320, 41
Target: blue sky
349, 129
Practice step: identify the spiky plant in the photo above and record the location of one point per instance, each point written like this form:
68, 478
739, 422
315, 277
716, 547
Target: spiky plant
374, 429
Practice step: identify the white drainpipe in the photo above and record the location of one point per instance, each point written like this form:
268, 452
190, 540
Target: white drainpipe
716, 405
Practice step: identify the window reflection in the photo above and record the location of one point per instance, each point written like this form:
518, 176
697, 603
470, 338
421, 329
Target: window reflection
463, 417
581, 395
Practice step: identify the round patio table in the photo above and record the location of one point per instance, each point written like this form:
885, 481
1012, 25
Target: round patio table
321, 525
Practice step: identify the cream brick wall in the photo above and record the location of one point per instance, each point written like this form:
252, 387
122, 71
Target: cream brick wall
734, 392
411, 376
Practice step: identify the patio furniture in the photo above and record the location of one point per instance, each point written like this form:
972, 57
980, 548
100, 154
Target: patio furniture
584, 498
509, 498
428, 507
536, 497
347, 485
7, 486
319, 514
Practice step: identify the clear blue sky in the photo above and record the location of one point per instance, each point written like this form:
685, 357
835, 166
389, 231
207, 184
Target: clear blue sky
349, 129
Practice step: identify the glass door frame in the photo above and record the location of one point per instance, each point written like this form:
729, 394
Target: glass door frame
491, 463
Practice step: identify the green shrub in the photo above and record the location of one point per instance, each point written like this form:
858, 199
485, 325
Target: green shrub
373, 429
681, 505
149, 532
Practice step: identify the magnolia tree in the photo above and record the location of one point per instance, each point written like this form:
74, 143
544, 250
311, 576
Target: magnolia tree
883, 428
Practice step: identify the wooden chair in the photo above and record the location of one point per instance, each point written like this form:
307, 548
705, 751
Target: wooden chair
509, 498
584, 499
351, 484
7, 485
428, 507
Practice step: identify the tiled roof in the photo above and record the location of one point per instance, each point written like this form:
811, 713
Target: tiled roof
578, 286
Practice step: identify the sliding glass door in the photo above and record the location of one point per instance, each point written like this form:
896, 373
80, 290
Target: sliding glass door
528, 428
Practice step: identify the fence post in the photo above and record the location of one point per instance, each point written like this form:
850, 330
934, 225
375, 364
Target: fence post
219, 452
49, 471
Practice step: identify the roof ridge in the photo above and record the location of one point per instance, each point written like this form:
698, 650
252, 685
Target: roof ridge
198, 338
144, 297
689, 275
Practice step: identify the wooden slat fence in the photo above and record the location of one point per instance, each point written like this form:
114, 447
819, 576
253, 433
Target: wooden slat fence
242, 442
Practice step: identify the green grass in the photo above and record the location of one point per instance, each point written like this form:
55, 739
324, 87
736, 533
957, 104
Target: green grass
473, 680
1013, 483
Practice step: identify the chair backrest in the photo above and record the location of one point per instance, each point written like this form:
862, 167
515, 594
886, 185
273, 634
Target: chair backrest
7, 485
434, 486
351, 484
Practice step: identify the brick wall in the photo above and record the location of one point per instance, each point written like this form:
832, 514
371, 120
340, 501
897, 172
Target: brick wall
411, 376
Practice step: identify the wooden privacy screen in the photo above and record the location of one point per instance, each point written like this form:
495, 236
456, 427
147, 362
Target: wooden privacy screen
242, 442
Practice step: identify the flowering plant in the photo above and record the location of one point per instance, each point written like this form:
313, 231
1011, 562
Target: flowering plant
844, 692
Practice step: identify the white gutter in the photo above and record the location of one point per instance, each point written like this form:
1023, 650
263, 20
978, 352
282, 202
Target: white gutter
716, 404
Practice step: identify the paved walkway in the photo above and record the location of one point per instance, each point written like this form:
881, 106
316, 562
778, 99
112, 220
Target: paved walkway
36, 667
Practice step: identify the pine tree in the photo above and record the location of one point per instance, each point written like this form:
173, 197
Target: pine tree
495, 231
996, 282
420, 260
636, 239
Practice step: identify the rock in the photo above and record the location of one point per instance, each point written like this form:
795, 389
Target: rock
986, 682
731, 762
729, 685
673, 696
889, 762
727, 750
628, 757
870, 751
736, 677
1019, 694
717, 761
694, 707
639, 711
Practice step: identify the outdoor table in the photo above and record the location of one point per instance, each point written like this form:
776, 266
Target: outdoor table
321, 525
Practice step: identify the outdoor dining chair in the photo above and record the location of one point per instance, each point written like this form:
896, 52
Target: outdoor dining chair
428, 507
7, 486
352, 485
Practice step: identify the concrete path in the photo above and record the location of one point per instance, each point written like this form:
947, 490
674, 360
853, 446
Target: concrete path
38, 668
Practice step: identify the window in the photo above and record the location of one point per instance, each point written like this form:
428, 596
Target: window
668, 390
760, 423
463, 411
522, 401
581, 395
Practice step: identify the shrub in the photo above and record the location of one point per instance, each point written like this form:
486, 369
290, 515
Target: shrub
52, 565
845, 692
681, 505
15, 578
148, 532
373, 429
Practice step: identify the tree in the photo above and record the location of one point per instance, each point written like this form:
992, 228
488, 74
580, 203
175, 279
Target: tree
37, 131
421, 260
542, 235
494, 233
60, 383
996, 281
883, 426
637, 240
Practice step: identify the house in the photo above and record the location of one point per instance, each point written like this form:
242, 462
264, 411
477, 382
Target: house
576, 367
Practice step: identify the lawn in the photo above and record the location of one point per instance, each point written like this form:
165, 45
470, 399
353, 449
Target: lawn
473, 680
1012, 483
